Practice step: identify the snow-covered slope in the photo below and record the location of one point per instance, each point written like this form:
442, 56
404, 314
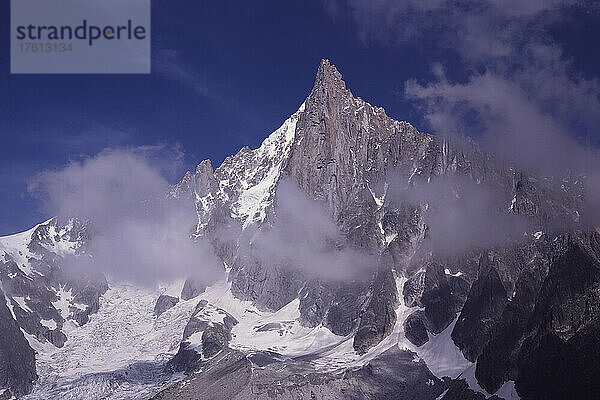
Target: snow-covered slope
40, 297
120, 353
280, 332
32, 278
244, 184
55, 239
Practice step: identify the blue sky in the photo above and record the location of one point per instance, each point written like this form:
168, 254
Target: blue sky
225, 74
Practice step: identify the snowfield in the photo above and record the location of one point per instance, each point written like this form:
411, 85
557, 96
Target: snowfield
122, 351
119, 354
279, 332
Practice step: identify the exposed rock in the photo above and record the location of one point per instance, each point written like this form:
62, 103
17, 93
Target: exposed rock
379, 317
192, 287
413, 288
88, 290
206, 334
497, 362
341, 151
484, 306
415, 329
269, 285
315, 301
42, 291
222, 378
163, 303
528, 306
396, 375
459, 390
559, 357
233, 376
17, 359
345, 312
359, 163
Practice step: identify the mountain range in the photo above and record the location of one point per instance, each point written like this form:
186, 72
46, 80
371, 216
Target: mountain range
361, 259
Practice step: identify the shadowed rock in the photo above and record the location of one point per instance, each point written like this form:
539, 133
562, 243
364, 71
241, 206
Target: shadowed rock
164, 303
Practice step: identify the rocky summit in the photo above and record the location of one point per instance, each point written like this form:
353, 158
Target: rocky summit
361, 258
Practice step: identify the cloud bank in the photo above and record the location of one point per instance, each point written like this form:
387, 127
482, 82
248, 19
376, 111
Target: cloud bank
139, 233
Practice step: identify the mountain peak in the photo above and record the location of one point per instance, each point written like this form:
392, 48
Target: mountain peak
204, 168
325, 66
328, 77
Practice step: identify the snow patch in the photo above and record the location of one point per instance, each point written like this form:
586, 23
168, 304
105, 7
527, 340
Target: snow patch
55, 244
508, 392
10, 307
448, 272
49, 323
17, 247
64, 301
195, 342
39, 347
389, 237
379, 200
442, 356
21, 302
211, 314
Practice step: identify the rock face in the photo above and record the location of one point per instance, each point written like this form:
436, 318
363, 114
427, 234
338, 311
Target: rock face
379, 316
483, 308
191, 289
223, 378
163, 303
509, 297
233, 375
415, 329
544, 341
17, 359
206, 334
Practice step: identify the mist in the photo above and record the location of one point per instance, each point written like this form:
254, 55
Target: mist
303, 237
461, 215
139, 234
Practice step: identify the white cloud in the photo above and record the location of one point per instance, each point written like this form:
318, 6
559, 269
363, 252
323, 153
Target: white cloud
138, 232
